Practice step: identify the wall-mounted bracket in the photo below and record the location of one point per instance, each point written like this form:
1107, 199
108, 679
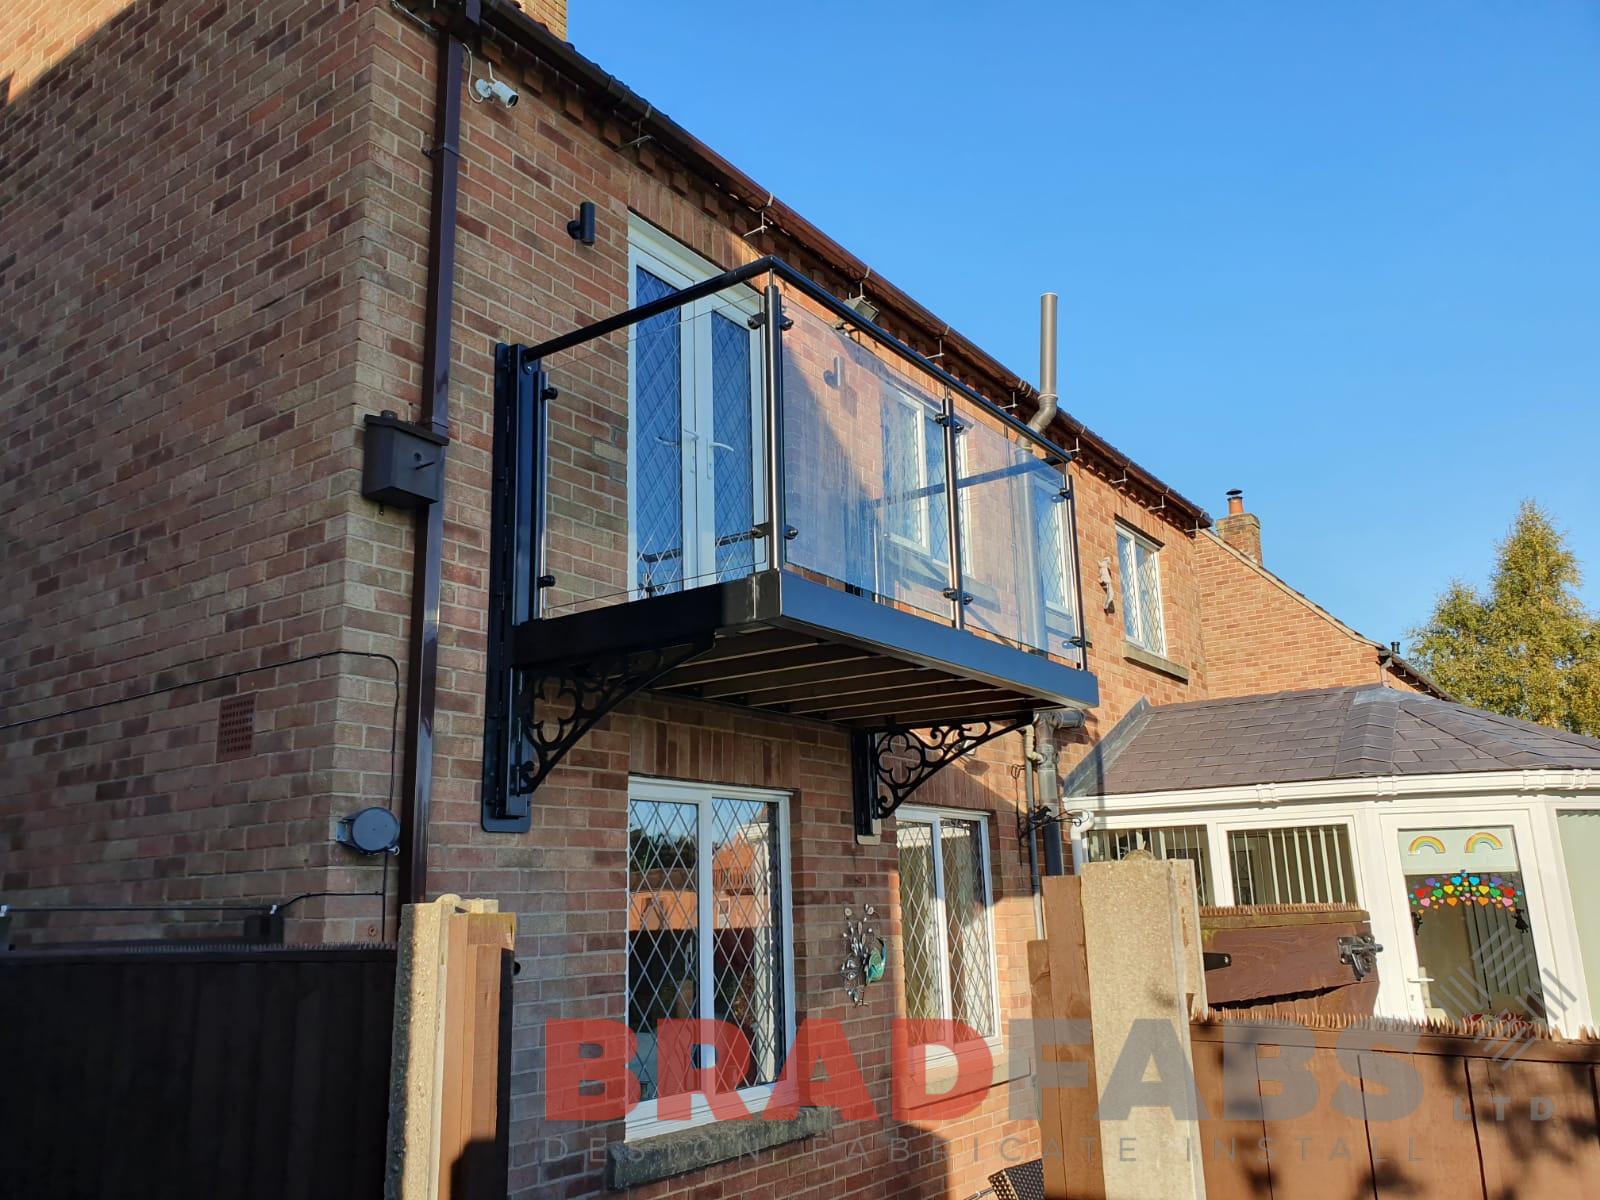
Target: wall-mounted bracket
552, 708
890, 765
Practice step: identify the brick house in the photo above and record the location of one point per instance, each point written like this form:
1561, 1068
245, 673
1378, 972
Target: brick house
227, 242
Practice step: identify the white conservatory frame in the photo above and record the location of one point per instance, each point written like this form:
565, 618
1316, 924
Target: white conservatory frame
1374, 808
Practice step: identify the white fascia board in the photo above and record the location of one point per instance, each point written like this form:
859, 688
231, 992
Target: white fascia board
1367, 787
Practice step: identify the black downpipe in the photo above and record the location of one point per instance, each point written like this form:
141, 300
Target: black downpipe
427, 564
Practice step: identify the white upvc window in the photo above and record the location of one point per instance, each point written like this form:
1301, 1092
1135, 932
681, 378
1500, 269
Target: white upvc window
696, 435
710, 932
916, 514
1139, 561
1189, 843
946, 922
1293, 864
1053, 545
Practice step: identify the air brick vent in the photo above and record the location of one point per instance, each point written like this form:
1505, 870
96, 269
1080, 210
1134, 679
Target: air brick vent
236, 727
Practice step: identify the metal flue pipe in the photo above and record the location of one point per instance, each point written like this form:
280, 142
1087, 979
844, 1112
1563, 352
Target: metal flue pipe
1048, 396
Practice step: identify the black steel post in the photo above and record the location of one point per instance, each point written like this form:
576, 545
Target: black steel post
952, 500
864, 781
1077, 565
533, 457
777, 522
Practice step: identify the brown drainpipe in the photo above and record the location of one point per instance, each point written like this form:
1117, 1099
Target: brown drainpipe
428, 539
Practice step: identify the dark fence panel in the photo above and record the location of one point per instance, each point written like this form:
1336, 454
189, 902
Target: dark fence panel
1429, 1112
195, 1072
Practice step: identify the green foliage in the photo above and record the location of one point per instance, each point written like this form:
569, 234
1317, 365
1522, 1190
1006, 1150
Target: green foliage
1528, 648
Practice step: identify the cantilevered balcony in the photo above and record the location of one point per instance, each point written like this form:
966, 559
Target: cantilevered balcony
741, 491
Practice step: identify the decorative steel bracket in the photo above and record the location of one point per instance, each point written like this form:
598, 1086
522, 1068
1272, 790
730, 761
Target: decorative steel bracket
1045, 815
552, 708
890, 765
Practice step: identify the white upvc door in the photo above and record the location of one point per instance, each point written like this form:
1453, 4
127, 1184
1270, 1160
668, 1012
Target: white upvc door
1407, 982
696, 475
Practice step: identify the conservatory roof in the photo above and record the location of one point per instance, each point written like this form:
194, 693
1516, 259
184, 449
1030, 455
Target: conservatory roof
1329, 733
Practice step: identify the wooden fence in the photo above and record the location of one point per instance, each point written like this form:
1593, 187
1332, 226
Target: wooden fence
1400, 1112
1287, 954
199, 1072
449, 1124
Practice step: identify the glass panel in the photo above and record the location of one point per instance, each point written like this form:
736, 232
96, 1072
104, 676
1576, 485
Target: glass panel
1187, 842
1009, 495
1128, 573
663, 925
1580, 846
1051, 554
1308, 865
967, 925
1469, 916
732, 450
864, 477
654, 475
919, 923
658, 426
1152, 633
747, 946
588, 498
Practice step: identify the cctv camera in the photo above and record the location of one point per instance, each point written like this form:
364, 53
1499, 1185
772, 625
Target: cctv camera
487, 88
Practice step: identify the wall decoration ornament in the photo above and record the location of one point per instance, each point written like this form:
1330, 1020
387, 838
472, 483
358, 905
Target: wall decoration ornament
864, 962
1464, 888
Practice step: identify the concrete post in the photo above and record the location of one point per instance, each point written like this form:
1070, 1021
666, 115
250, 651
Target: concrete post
1124, 937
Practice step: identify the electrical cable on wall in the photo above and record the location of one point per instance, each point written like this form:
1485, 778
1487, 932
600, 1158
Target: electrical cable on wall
270, 907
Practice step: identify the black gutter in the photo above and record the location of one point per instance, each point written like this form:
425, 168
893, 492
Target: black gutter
422, 656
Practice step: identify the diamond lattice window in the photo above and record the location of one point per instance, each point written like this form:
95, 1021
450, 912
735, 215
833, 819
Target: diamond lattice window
707, 929
945, 930
1139, 565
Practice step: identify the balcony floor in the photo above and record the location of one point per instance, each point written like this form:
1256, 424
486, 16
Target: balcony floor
787, 645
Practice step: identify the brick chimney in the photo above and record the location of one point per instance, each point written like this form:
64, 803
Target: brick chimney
1240, 529
552, 14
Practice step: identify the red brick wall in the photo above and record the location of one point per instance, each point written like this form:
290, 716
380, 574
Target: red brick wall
1261, 636
1125, 679
197, 334
185, 265
521, 278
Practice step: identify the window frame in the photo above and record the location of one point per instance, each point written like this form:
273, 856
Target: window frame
1150, 823
897, 398
1133, 602
1051, 500
1254, 824
934, 816
676, 265
642, 1120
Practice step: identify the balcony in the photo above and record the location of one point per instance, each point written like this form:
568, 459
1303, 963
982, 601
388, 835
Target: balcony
741, 491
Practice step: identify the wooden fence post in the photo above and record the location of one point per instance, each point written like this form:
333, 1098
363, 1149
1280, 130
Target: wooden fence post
447, 1090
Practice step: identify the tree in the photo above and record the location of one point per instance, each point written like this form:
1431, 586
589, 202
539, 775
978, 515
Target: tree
1528, 648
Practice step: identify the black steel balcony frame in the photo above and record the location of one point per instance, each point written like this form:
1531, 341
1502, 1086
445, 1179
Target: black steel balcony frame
914, 692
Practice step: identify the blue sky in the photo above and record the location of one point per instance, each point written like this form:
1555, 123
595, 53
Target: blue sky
1344, 256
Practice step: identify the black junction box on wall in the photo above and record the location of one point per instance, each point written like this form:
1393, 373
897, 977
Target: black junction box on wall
403, 464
